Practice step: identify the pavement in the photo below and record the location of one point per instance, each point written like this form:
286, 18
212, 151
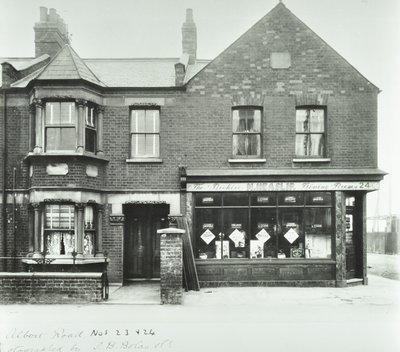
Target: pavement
385, 265
276, 319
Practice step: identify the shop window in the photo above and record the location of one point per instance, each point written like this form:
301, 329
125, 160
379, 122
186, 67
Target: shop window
246, 129
310, 132
60, 126
90, 129
59, 229
263, 225
145, 133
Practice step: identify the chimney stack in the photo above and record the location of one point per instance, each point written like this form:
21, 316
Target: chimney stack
189, 37
50, 33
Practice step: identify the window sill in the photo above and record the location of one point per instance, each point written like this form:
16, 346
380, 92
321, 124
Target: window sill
68, 260
66, 154
233, 161
312, 160
144, 160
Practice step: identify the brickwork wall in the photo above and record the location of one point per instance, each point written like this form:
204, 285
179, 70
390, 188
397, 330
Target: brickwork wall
48, 288
76, 176
171, 268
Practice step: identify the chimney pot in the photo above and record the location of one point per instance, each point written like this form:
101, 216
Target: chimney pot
43, 14
189, 15
53, 15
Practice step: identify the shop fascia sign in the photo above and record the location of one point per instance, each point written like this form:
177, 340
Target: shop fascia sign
282, 186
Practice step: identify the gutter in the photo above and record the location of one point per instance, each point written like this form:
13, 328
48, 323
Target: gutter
4, 209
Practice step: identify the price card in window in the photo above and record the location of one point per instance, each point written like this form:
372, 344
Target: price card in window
263, 236
207, 236
291, 235
237, 237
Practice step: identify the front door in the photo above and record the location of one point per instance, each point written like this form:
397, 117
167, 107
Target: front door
141, 241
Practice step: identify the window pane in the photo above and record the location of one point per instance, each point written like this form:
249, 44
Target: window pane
292, 198
67, 141
90, 118
239, 120
89, 218
290, 233
138, 144
302, 144
317, 120
318, 198
67, 113
207, 233
152, 145
52, 113
316, 145
261, 199
138, 123
88, 243
236, 199
152, 121
302, 120
53, 136
90, 140
208, 199
256, 121
235, 228
246, 144
263, 233
59, 216
318, 220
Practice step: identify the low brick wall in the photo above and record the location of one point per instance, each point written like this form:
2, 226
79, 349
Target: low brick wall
49, 288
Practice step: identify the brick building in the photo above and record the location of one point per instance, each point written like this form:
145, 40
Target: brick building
268, 151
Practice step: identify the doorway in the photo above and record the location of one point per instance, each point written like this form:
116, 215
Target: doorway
141, 241
354, 232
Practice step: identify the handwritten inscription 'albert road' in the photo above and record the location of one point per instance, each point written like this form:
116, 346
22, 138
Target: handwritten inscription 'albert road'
282, 186
82, 340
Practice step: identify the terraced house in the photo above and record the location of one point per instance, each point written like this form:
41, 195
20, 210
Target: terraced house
268, 152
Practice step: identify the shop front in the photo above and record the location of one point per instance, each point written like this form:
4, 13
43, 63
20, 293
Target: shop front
278, 233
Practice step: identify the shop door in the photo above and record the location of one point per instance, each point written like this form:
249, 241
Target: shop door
353, 238
141, 242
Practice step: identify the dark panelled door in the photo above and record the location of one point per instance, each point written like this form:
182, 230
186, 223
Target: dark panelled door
142, 243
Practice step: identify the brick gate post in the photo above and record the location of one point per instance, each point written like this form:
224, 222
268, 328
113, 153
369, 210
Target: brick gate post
171, 265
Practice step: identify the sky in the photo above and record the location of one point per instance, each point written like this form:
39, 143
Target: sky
365, 32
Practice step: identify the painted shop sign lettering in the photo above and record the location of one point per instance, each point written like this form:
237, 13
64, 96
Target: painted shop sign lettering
282, 186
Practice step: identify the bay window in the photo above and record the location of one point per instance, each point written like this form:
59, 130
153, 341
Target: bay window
263, 225
246, 132
61, 230
310, 132
145, 133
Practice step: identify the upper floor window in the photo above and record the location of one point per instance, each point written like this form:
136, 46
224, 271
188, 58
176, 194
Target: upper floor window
60, 126
246, 130
310, 132
90, 129
145, 133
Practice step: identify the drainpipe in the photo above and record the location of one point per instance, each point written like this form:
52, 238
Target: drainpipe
4, 128
14, 186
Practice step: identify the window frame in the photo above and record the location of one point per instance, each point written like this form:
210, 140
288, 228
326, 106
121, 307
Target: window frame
46, 126
155, 156
309, 133
248, 133
90, 107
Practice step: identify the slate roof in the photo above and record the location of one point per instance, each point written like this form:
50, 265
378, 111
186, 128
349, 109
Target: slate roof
68, 65
141, 73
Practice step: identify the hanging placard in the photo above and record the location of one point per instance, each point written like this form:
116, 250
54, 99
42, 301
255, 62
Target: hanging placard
263, 236
208, 226
262, 225
291, 236
237, 237
262, 199
236, 226
207, 236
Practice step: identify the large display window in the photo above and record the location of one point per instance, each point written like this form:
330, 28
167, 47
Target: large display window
263, 225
